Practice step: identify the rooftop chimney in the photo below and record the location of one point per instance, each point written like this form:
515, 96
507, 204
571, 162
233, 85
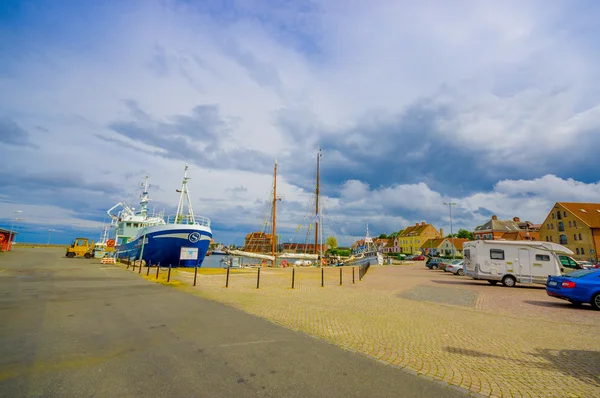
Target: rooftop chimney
423, 223
416, 224
494, 217
516, 219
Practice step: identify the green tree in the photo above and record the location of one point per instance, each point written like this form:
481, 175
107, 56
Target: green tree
463, 233
331, 242
383, 236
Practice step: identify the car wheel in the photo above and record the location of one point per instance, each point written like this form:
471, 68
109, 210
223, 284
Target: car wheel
509, 281
460, 272
71, 255
87, 255
493, 283
434, 267
596, 301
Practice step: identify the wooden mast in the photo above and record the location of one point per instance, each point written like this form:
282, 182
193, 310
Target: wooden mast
274, 221
317, 203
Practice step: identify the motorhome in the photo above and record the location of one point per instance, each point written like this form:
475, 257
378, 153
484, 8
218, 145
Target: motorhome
510, 262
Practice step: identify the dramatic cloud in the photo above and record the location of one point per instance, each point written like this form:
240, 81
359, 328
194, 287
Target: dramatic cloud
491, 105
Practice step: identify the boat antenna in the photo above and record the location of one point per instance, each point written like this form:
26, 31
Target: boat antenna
144, 197
274, 222
317, 202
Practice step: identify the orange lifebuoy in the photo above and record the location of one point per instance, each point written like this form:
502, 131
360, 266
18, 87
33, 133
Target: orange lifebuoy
284, 263
2, 238
110, 243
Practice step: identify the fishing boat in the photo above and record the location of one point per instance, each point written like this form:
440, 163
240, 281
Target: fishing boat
157, 239
366, 254
104, 247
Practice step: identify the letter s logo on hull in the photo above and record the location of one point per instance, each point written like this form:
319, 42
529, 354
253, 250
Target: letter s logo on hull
194, 237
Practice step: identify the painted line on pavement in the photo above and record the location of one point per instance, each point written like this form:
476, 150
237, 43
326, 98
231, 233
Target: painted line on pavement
249, 343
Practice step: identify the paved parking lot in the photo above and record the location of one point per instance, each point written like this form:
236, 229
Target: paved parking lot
492, 340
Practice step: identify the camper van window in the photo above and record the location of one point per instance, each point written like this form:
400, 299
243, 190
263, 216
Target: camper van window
467, 253
567, 262
496, 254
542, 257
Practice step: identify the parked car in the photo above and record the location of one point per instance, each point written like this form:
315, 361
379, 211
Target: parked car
577, 287
435, 263
419, 258
456, 267
585, 264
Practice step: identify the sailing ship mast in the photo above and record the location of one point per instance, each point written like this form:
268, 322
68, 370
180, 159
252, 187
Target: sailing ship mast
317, 203
184, 196
274, 226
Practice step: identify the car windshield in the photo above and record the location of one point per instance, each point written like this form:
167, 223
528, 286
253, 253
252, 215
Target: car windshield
580, 273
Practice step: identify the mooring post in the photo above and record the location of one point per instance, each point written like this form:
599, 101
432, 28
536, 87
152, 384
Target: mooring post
293, 276
157, 269
148, 268
227, 278
128, 263
353, 274
258, 279
169, 274
340, 276
140, 270
322, 276
195, 273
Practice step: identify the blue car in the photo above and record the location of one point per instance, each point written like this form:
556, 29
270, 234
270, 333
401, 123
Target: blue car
577, 287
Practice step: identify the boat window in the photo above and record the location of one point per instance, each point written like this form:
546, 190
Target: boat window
128, 224
496, 254
542, 257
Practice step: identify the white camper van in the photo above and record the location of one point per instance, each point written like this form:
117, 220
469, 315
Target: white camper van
510, 262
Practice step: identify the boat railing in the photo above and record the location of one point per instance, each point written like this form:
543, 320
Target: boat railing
187, 220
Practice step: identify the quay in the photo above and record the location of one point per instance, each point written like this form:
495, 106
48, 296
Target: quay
77, 327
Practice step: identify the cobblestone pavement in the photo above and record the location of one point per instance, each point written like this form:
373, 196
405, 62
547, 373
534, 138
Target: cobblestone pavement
491, 340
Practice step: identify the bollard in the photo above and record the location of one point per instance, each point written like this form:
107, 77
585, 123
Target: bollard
148, 268
157, 269
140, 271
353, 274
227, 278
169, 274
195, 273
293, 276
340, 276
258, 279
322, 277
360, 273
133, 268
128, 263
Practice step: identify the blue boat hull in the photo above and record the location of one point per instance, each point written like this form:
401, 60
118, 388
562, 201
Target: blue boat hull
164, 247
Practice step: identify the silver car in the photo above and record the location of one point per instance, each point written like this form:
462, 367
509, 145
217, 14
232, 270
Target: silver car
456, 267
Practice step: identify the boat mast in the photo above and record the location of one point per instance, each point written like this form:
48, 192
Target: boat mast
274, 221
317, 203
184, 195
144, 197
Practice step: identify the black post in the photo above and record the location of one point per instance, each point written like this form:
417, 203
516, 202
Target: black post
353, 274
128, 263
169, 274
133, 268
340, 276
360, 273
227, 279
140, 270
148, 268
195, 273
258, 279
293, 276
322, 276
157, 269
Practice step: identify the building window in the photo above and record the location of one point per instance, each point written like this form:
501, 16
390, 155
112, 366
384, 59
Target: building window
570, 224
549, 225
547, 240
558, 215
565, 214
574, 236
575, 224
577, 250
562, 239
561, 226
542, 257
579, 236
582, 252
496, 254
553, 216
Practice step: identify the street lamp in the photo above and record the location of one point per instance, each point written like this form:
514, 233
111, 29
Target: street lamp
11, 229
450, 204
50, 233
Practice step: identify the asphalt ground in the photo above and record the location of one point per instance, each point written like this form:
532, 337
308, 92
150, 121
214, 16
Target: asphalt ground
75, 327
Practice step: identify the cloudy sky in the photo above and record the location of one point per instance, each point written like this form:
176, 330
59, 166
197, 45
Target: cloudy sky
491, 105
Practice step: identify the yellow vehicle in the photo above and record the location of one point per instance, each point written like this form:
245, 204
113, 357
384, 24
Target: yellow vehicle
81, 247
